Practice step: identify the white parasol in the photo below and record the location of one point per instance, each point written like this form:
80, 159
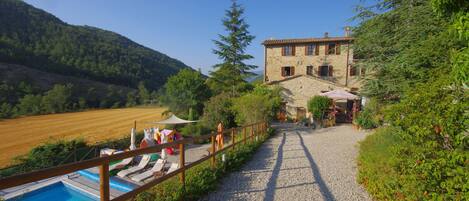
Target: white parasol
173, 119
132, 139
339, 94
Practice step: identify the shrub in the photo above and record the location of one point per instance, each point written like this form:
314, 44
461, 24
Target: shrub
365, 119
196, 129
318, 106
429, 159
259, 105
46, 155
218, 109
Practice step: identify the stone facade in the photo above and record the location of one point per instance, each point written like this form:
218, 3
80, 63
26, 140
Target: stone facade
297, 90
300, 85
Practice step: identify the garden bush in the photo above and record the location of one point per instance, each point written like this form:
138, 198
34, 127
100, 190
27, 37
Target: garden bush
365, 119
259, 105
218, 109
318, 105
429, 161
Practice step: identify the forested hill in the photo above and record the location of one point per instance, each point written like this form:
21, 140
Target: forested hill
37, 39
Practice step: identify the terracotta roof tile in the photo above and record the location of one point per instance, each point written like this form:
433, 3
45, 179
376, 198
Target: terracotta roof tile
305, 40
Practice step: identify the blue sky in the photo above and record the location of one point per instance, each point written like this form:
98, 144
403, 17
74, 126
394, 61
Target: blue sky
184, 29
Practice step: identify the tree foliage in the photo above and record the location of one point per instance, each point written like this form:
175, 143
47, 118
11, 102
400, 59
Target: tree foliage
230, 75
186, 92
56, 99
401, 47
37, 39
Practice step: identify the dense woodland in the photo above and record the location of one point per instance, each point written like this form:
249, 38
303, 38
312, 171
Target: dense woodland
417, 57
38, 40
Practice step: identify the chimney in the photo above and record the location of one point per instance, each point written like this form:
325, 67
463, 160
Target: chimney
347, 31
326, 35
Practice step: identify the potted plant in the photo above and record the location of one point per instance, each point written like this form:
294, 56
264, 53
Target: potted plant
318, 106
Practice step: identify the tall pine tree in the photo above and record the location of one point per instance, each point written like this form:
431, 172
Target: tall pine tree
230, 75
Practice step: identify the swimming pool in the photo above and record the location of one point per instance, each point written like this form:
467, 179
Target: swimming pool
57, 191
114, 183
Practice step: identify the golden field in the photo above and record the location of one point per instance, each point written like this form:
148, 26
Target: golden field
20, 135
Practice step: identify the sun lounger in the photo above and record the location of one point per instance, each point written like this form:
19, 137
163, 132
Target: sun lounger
121, 164
149, 173
143, 163
173, 167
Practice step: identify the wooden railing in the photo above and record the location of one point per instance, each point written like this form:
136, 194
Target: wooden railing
103, 162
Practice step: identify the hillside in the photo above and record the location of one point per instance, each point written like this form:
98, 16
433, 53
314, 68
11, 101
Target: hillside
43, 81
37, 39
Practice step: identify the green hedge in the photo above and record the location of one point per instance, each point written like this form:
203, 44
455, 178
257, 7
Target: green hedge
59, 152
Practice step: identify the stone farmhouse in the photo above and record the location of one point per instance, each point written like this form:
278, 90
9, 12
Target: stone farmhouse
307, 67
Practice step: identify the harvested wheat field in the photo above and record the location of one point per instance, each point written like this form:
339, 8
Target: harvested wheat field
19, 135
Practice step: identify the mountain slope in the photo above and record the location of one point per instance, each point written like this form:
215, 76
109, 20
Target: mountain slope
37, 39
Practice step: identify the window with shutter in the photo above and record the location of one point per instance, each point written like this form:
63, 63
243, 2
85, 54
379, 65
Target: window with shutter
324, 71
310, 49
309, 70
316, 51
353, 70
330, 71
337, 48
288, 50
288, 71
331, 47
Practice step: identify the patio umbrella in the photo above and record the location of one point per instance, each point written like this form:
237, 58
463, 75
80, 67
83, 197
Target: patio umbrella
339, 94
132, 139
173, 119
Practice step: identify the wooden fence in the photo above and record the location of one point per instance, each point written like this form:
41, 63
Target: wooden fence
103, 162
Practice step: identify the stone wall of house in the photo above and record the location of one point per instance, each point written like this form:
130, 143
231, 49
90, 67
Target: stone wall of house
297, 91
274, 62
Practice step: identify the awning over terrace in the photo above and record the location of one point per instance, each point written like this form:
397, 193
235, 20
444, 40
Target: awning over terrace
339, 94
173, 119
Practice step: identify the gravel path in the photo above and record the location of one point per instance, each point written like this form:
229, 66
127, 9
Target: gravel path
299, 164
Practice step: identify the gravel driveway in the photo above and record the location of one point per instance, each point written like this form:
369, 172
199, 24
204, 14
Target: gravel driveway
299, 164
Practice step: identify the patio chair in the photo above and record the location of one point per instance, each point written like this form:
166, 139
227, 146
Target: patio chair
173, 167
141, 165
121, 164
159, 165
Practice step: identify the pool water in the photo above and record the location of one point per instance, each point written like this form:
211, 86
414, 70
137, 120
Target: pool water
57, 191
114, 183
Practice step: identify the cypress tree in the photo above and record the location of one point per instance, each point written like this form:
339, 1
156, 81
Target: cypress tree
230, 74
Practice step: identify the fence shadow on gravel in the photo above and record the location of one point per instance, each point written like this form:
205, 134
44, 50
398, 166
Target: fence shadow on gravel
270, 190
325, 192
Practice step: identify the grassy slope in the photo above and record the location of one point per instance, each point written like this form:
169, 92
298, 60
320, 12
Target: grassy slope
378, 164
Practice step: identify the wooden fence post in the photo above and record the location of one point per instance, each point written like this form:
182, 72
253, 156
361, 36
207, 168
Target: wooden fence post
233, 130
213, 150
104, 181
244, 135
182, 163
252, 133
